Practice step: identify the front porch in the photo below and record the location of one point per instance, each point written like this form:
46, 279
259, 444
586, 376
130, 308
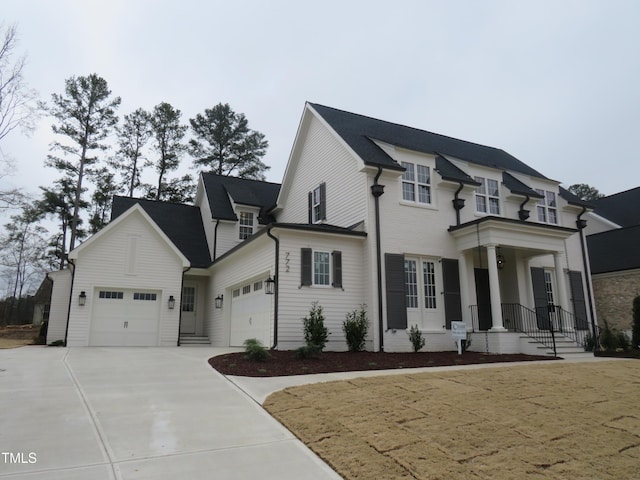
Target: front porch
517, 286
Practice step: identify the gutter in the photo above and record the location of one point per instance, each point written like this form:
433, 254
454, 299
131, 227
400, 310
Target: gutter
73, 276
458, 203
377, 190
276, 287
581, 224
215, 240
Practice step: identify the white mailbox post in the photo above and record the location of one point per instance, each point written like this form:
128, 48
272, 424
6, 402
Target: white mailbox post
459, 333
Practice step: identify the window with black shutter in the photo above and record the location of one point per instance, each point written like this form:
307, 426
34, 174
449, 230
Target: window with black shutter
394, 278
337, 269
306, 267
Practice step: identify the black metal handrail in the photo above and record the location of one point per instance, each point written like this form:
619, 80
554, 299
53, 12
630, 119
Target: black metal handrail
540, 324
577, 329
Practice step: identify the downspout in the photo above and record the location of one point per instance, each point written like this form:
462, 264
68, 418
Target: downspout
73, 276
587, 272
522, 213
180, 314
215, 240
276, 287
457, 203
377, 190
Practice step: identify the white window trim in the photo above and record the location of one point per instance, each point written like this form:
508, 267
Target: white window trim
316, 206
420, 284
313, 269
544, 203
486, 196
416, 184
241, 225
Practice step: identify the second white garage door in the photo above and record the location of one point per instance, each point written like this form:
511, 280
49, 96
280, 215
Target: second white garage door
250, 314
125, 318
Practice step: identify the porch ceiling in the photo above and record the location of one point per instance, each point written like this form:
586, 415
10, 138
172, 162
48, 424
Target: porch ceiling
512, 233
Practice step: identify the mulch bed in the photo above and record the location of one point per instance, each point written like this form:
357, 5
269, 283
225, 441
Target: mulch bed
284, 363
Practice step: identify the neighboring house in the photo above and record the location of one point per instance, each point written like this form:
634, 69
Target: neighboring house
421, 228
42, 301
614, 238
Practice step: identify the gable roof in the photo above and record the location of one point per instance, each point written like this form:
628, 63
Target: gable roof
621, 208
358, 131
614, 250
243, 191
182, 224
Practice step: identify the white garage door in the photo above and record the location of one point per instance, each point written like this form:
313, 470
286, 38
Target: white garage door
250, 314
125, 318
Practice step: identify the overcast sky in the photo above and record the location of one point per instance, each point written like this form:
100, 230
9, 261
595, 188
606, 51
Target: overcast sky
554, 83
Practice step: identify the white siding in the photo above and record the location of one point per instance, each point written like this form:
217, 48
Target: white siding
104, 263
227, 237
59, 305
323, 158
295, 301
255, 260
205, 211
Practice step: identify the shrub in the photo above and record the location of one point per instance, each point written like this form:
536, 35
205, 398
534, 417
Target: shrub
622, 340
635, 329
589, 343
355, 329
307, 351
315, 333
255, 351
608, 338
417, 340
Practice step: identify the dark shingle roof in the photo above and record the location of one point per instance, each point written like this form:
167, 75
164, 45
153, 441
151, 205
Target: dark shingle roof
614, 250
517, 187
181, 223
622, 208
358, 130
448, 171
243, 191
574, 199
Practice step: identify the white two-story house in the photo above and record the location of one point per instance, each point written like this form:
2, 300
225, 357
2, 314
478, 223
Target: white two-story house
421, 228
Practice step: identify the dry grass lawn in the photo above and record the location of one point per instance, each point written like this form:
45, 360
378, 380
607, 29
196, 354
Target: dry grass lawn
557, 421
14, 342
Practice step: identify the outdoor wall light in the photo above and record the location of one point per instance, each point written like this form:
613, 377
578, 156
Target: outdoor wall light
219, 300
82, 299
171, 302
270, 285
500, 261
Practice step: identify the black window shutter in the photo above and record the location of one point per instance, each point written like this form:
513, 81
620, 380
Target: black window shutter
577, 297
337, 269
323, 201
540, 301
310, 207
394, 276
305, 255
451, 291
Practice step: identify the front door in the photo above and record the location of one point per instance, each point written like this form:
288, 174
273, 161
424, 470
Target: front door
484, 298
188, 319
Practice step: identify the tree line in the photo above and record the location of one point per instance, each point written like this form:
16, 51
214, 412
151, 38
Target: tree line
98, 154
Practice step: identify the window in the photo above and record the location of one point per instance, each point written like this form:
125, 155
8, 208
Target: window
246, 289
111, 295
246, 225
429, 280
235, 293
547, 207
188, 299
416, 183
318, 204
321, 268
548, 286
144, 296
257, 286
488, 196
410, 284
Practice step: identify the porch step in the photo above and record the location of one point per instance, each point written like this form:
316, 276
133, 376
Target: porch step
564, 347
194, 340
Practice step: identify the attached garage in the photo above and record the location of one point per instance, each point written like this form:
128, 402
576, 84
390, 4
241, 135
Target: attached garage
125, 317
250, 313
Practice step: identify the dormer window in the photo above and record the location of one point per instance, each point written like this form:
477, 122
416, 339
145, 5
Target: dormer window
416, 183
487, 196
245, 225
318, 204
547, 207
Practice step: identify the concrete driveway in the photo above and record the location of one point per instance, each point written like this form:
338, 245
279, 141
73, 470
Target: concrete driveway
137, 413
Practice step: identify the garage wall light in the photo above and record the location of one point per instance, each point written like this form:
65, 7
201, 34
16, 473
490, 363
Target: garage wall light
82, 298
219, 300
270, 285
172, 302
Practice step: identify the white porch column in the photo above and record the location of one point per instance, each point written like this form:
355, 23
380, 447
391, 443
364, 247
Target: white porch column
494, 290
561, 297
464, 288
